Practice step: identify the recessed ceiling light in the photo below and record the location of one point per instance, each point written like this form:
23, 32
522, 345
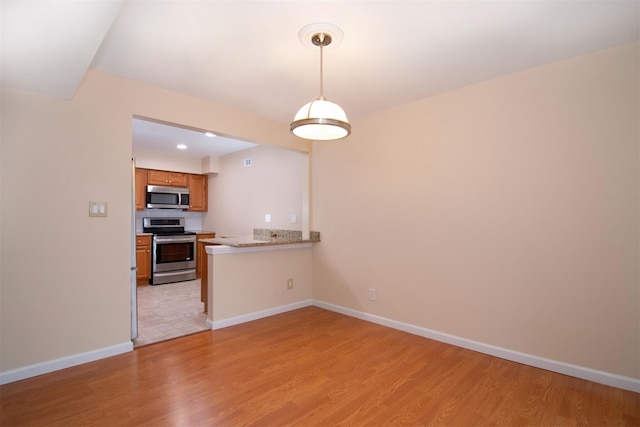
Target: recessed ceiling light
210, 134
182, 147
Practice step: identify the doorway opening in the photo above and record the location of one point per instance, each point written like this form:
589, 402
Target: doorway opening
169, 310
276, 180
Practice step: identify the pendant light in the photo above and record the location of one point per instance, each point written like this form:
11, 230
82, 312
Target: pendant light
320, 120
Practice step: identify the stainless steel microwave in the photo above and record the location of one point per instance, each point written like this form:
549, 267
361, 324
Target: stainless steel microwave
160, 197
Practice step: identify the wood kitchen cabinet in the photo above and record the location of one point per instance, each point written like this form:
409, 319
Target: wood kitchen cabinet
202, 267
198, 193
143, 259
201, 254
170, 179
197, 184
141, 188
202, 261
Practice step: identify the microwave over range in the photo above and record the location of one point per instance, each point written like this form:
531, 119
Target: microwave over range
162, 197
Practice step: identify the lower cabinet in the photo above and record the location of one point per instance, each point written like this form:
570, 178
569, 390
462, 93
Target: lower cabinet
143, 259
201, 267
201, 254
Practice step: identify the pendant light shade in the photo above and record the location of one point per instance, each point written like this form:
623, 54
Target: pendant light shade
321, 120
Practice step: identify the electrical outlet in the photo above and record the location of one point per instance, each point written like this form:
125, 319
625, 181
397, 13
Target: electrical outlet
372, 294
289, 283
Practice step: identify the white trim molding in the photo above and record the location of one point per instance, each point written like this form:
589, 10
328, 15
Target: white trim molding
224, 323
63, 363
614, 380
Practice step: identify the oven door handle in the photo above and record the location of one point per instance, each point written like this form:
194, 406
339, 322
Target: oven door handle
162, 239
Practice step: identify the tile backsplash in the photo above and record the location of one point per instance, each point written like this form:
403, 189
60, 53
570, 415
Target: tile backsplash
192, 220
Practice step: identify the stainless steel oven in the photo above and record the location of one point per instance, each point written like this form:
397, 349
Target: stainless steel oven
173, 250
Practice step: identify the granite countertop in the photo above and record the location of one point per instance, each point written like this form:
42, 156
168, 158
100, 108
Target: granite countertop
250, 240
142, 233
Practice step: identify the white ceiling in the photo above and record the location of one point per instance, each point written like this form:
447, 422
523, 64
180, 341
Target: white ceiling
164, 138
246, 54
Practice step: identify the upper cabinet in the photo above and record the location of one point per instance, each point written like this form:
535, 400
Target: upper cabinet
198, 193
141, 188
197, 184
171, 179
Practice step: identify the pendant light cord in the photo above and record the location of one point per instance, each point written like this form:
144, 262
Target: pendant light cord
321, 37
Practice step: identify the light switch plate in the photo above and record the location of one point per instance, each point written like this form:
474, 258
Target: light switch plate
267, 217
98, 209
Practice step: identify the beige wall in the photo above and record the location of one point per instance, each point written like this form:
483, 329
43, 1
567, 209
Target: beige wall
241, 196
505, 212
246, 283
64, 277
150, 159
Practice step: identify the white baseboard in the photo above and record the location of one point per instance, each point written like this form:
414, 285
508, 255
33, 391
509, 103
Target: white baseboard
589, 374
63, 363
224, 323
614, 380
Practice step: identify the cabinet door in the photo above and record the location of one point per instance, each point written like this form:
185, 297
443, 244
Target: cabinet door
198, 193
171, 179
143, 262
157, 177
201, 255
143, 258
177, 179
141, 188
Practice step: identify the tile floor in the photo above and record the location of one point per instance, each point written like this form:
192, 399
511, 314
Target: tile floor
168, 311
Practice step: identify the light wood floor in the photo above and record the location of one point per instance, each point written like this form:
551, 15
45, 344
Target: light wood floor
310, 367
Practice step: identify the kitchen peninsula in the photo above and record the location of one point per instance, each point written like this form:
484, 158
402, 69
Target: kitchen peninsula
248, 277
263, 237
